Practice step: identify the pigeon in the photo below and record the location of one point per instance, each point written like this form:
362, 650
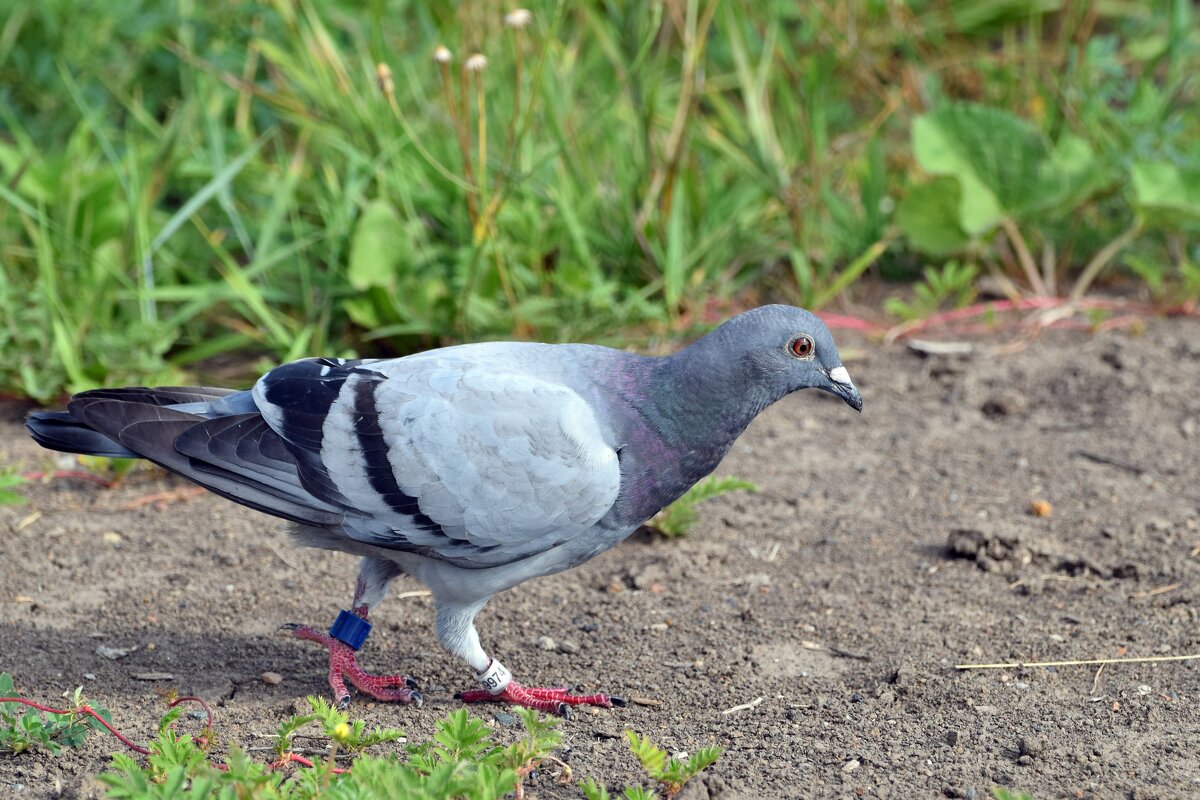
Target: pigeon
471, 468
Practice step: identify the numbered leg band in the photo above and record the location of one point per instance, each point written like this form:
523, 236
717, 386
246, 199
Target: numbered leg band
496, 678
350, 629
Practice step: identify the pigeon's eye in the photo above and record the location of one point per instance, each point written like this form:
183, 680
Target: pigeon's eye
802, 346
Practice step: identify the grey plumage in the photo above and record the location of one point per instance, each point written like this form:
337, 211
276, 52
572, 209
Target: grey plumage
472, 468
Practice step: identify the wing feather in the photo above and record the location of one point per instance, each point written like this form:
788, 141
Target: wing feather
479, 461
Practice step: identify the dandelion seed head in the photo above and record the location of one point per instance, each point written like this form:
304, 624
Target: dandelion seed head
476, 63
442, 55
383, 74
518, 18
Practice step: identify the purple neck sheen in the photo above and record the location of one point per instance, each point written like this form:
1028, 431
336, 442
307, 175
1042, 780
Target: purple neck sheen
685, 411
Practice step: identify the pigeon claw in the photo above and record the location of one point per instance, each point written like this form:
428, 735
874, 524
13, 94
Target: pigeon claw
343, 666
549, 701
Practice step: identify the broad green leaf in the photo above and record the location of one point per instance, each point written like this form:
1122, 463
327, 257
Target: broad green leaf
377, 246
1165, 193
928, 216
996, 157
362, 312
1069, 176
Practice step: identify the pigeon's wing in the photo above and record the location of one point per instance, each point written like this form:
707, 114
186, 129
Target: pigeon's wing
470, 460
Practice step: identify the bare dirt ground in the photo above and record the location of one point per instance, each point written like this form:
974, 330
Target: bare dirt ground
883, 550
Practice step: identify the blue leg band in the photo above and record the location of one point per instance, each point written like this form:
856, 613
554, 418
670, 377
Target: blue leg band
350, 629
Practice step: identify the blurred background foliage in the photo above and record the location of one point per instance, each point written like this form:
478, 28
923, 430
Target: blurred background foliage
185, 182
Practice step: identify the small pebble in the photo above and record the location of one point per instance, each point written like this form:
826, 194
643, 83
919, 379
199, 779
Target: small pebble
547, 644
88, 676
505, 718
1024, 761
271, 678
568, 646
113, 653
850, 765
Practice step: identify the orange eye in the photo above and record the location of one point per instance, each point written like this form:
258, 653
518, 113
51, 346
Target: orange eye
802, 346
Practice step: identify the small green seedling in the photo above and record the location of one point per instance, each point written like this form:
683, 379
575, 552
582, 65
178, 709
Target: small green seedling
23, 728
953, 284
115, 469
349, 736
671, 774
1000, 793
9, 481
678, 518
542, 738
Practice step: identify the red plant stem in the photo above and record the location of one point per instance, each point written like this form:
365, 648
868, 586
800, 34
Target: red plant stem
191, 698
89, 711
846, 322
1034, 304
84, 709
287, 757
137, 748
75, 474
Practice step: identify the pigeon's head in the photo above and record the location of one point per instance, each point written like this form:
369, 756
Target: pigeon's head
788, 349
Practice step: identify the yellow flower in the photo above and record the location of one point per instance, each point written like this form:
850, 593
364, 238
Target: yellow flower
1037, 108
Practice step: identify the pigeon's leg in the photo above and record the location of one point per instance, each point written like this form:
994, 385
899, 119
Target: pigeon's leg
456, 630
373, 578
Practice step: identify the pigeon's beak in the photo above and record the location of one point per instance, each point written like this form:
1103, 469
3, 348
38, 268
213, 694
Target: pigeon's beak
843, 387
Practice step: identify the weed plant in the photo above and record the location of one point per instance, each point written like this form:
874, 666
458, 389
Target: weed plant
461, 762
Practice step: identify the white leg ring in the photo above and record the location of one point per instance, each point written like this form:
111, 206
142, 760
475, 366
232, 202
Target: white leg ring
495, 678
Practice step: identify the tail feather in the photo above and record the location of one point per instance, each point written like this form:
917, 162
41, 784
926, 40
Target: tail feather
159, 395
58, 430
188, 431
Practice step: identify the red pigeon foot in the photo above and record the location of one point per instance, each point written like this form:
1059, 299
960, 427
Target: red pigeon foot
551, 701
343, 664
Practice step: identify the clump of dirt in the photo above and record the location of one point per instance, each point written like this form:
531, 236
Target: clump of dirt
812, 630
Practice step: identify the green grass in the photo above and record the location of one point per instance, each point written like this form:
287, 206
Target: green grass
181, 181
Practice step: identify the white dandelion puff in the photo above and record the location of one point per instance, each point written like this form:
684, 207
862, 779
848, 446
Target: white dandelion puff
518, 18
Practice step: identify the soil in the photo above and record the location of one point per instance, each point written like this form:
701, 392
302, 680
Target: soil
812, 629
